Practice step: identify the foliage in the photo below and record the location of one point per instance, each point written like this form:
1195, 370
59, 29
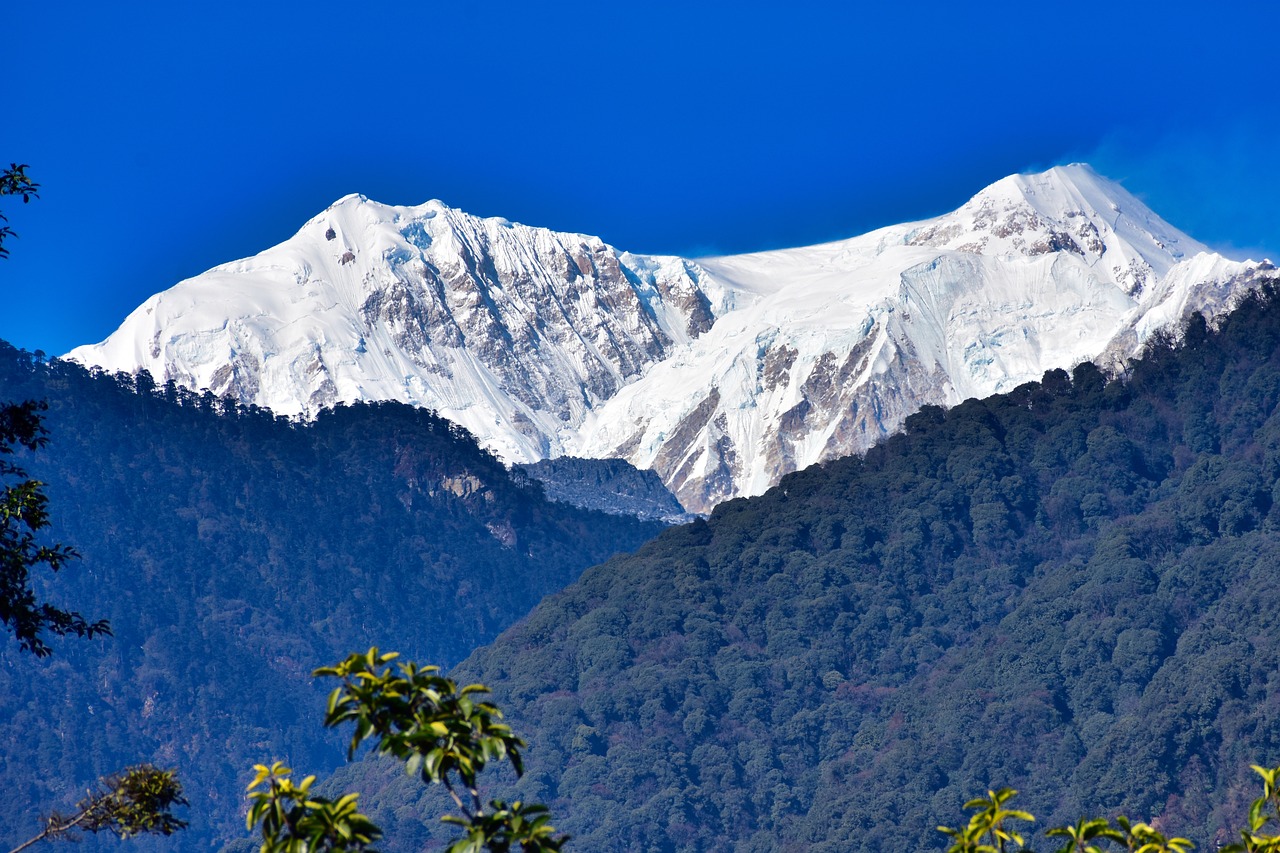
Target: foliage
138, 801
518, 826
986, 832
23, 506
420, 718
15, 181
23, 514
296, 821
442, 734
1265, 810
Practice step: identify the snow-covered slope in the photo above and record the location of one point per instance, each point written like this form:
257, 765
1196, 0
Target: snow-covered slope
722, 374
513, 332
846, 339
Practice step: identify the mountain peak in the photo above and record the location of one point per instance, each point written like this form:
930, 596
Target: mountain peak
1067, 208
1070, 185
349, 198
1076, 175
721, 375
511, 331
360, 205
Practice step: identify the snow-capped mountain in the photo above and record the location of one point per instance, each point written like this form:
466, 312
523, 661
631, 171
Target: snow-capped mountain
842, 341
514, 332
721, 374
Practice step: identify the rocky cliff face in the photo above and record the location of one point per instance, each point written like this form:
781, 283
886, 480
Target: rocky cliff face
614, 486
721, 375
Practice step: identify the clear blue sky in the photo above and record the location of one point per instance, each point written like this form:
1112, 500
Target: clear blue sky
171, 137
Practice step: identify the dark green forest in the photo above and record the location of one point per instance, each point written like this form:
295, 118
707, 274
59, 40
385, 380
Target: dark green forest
234, 552
1072, 589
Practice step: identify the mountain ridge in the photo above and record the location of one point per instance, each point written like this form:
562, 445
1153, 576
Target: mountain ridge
721, 374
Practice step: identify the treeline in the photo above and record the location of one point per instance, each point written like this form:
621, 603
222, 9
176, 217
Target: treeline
1070, 589
233, 552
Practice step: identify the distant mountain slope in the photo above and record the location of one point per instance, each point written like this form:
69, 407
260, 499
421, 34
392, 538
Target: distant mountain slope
233, 553
1070, 589
609, 485
722, 374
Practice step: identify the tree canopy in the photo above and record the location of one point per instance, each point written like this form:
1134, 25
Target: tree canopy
137, 801
24, 513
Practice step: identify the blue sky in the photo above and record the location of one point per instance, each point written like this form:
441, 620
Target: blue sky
173, 137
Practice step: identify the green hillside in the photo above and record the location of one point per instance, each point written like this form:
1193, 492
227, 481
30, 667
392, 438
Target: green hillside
234, 552
1072, 589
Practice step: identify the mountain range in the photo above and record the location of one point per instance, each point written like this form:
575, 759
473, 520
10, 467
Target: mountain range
720, 374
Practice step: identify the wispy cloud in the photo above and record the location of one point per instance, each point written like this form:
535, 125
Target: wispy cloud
1218, 181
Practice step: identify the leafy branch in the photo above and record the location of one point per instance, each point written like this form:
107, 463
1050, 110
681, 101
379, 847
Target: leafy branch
1265, 810
14, 181
296, 821
23, 513
987, 831
443, 734
138, 801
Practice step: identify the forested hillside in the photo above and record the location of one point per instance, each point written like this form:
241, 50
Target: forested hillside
1071, 589
234, 552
